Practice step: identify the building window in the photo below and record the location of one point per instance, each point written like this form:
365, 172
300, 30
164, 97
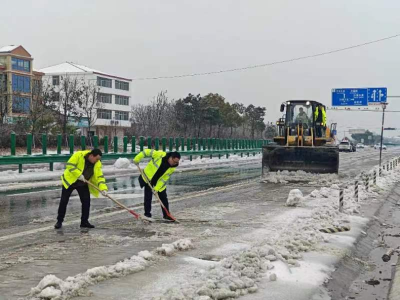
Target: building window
37, 83
121, 100
122, 115
104, 114
56, 80
20, 64
104, 82
21, 105
105, 98
121, 85
21, 84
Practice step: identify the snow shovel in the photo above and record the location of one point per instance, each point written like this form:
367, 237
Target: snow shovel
135, 214
156, 194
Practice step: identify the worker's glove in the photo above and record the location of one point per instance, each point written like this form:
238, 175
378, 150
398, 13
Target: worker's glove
82, 178
104, 193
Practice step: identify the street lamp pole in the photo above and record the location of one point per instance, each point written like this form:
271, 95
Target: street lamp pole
383, 123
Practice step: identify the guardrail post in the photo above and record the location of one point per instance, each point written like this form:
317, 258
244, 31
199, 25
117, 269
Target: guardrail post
44, 144
171, 144
59, 143
183, 143
141, 143
164, 144
149, 142
380, 172
29, 144
157, 143
125, 142
71, 144
133, 143
83, 142
341, 197
115, 144
13, 143
374, 178
188, 146
96, 142
19, 168
194, 144
177, 144
356, 190
106, 144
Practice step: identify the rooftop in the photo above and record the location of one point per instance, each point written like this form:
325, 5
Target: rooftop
8, 49
69, 67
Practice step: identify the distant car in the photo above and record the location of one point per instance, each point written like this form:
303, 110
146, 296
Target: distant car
347, 146
360, 146
378, 146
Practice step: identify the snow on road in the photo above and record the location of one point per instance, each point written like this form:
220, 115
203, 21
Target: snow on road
252, 246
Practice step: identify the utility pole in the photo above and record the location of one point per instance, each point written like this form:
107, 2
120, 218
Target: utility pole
383, 123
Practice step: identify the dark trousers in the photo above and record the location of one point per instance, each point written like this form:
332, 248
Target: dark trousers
84, 194
148, 197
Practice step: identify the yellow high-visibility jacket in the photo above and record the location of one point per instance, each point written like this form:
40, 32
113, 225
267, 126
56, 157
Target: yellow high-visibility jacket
152, 167
74, 169
316, 113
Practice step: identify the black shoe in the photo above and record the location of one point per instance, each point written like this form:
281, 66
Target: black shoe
58, 225
147, 215
87, 225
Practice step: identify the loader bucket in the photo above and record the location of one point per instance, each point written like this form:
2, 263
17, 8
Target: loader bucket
323, 159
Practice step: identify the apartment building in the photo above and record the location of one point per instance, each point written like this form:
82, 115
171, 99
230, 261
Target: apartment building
17, 79
115, 95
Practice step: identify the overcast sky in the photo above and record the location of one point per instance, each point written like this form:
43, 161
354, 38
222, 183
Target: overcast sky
162, 38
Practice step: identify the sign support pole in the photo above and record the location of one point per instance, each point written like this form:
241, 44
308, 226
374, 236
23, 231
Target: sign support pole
383, 123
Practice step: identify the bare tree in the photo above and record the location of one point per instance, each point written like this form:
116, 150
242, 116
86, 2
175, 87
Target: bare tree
69, 93
89, 104
4, 100
42, 109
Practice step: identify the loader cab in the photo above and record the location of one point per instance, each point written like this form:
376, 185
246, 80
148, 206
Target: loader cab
298, 121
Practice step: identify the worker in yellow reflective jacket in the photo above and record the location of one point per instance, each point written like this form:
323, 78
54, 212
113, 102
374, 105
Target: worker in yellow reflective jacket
320, 118
82, 166
158, 171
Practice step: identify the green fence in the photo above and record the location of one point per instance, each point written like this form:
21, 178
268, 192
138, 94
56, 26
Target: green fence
210, 147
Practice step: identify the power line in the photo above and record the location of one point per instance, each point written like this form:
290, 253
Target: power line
270, 64
365, 110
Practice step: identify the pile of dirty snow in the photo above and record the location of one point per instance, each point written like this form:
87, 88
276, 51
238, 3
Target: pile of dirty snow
300, 176
52, 287
170, 249
122, 163
294, 198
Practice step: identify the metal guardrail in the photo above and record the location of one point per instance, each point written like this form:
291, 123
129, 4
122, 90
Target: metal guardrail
192, 147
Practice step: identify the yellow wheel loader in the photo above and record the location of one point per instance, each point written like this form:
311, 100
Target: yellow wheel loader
303, 140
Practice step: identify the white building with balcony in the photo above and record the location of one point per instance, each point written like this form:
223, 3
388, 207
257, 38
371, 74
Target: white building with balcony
115, 95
